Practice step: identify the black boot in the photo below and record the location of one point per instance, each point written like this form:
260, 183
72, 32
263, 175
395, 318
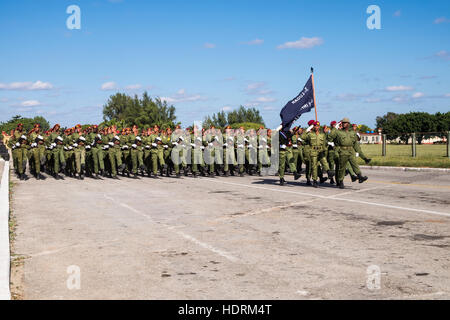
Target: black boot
341, 184
308, 181
297, 175
315, 184
361, 178
331, 180
323, 179
282, 181
354, 178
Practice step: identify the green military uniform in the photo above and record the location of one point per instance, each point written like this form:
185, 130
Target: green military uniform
286, 155
97, 151
317, 142
197, 156
157, 153
346, 141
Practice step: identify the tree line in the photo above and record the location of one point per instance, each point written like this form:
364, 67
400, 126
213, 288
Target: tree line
424, 124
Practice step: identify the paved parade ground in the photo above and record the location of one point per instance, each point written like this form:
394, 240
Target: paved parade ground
233, 238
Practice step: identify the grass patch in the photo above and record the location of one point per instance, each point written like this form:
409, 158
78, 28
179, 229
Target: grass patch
429, 156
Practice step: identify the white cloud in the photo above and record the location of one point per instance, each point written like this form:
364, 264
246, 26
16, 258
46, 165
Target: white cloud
253, 42
399, 88
264, 99
109, 86
441, 20
447, 95
133, 87
418, 95
31, 86
372, 100
209, 45
397, 13
303, 43
30, 103
399, 99
181, 96
443, 54
257, 88
227, 108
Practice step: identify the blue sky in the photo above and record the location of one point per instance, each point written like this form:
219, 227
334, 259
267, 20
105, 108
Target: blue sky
207, 56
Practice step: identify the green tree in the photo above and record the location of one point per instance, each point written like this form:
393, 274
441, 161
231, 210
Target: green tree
123, 110
28, 123
386, 123
241, 115
364, 128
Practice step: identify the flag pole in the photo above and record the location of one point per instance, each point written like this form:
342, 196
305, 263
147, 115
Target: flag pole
314, 91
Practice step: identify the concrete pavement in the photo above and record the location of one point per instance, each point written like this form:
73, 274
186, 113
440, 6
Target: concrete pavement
234, 238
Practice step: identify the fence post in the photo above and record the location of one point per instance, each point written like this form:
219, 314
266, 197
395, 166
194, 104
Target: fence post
413, 138
448, 144
383, 149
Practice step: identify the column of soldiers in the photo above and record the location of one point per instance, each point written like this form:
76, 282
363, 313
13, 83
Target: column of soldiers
131, 152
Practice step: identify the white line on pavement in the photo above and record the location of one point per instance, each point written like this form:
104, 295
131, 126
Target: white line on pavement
353, 191
180, 233
335, 198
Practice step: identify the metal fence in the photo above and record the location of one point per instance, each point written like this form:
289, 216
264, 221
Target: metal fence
417, 145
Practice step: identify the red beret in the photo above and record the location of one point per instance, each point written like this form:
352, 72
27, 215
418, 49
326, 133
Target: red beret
310, 122
332, 123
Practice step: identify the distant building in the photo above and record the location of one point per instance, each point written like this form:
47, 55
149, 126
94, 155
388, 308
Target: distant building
370, 138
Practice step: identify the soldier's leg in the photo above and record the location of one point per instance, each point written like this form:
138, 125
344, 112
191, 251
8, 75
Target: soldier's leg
353, 164
20, 160
154, 157
37, 160
77, 155
55, 157
290, 160
101, 159
314, 166
295, 156
343, 159
112, 161
240, 160
282, 164
95, 160
324, 163
301, 160
134, 161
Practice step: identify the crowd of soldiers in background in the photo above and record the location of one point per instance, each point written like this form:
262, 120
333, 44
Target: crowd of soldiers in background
130, 152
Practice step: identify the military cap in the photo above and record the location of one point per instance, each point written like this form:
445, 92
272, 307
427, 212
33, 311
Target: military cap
345, 120
310, 122
332, 123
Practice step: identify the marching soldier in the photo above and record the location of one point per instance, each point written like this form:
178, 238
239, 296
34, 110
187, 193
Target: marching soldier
286, 156
346, 140
317, 142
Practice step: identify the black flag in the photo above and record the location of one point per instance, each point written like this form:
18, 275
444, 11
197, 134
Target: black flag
302, 103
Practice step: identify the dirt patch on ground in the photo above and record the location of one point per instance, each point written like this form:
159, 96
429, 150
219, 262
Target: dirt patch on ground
16, 279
